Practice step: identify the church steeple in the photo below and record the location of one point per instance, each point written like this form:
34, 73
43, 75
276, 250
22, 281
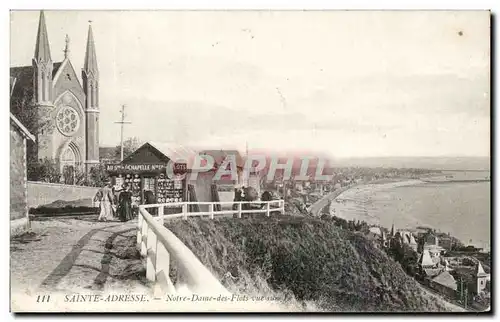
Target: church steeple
90, 78
43, 66
90, 73
42, 48
90, 65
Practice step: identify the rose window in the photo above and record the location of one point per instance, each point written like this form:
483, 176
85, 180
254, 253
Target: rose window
67, 120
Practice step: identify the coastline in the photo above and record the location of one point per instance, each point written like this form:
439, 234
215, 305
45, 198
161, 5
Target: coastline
344, 196
332, 196
356, 203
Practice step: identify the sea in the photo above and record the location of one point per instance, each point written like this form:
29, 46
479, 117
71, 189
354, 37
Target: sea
449, 204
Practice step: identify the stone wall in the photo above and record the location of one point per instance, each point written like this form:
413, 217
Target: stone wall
18, 206
42, 193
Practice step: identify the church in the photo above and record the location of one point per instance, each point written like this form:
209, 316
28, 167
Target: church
71, 108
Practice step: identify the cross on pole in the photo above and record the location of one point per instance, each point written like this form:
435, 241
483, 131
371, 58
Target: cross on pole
122, 122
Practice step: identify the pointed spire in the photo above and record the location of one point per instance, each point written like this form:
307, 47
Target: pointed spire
66, 48
393, 231
480, 270
90, 65
42, 49
412, 240
425, 259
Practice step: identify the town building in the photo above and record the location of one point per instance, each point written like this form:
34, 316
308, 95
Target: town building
445, 284
481, 278
428, 268
406, 237
70, 107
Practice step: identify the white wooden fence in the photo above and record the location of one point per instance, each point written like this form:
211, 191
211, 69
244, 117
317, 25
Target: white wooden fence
158, 245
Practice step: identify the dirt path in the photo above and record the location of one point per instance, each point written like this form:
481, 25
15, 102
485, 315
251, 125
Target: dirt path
73, 255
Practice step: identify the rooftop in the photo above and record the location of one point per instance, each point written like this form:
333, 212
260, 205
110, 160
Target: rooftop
446, 279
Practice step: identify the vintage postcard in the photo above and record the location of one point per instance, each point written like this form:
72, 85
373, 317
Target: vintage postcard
250, 161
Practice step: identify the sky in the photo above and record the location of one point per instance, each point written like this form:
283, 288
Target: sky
345, 83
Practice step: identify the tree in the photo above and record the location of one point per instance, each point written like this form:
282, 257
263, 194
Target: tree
44, 170
37, 119
129, 146
97, 176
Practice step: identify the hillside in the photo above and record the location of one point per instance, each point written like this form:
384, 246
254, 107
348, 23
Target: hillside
307, 259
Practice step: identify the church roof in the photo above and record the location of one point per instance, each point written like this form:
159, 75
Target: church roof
446, 279
23, 76
56, 68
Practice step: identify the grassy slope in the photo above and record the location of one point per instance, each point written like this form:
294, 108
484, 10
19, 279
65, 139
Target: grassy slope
335, 269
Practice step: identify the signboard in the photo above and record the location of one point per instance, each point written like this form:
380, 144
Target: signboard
168, 190
179, 168
135, 167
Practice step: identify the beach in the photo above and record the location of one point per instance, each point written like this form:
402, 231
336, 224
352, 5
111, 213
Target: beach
461, 209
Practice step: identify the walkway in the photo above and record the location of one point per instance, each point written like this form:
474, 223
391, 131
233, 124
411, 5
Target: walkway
73, 255
316, 207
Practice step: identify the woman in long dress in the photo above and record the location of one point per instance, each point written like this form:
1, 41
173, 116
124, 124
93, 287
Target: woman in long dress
125, 204
106, 203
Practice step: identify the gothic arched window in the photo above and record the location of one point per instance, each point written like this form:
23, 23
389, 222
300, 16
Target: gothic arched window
68, 157
68, 165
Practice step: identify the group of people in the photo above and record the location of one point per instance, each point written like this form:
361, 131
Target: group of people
111, 206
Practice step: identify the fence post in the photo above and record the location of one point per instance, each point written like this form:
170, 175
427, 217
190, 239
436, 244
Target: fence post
268, 209
239, 210
184, 211
144, 234
160, 214
282, 206
151, 256
211, 210
163, 265
139, 231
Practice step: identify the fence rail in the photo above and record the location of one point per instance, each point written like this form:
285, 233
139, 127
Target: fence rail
159, 245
